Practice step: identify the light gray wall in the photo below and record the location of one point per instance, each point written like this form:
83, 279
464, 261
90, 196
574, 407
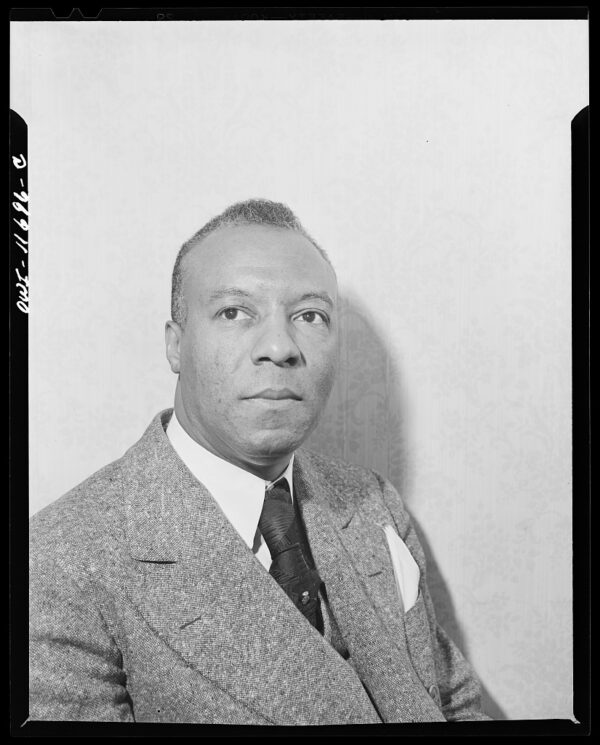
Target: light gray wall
431, 160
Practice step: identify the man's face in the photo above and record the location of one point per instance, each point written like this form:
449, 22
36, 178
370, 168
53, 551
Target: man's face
257, 355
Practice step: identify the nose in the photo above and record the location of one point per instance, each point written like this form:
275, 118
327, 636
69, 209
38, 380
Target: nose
276, 344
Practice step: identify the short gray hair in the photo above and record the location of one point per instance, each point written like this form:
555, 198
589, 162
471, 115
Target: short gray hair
250, 212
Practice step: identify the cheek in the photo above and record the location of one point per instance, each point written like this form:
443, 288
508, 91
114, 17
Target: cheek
208, 367
327, 369
326, 382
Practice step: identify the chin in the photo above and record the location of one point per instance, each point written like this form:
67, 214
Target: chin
270, 443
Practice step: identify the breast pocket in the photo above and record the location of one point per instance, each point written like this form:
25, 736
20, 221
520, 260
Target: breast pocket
419, 643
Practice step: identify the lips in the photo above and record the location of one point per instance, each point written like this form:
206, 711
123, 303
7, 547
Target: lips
276, 394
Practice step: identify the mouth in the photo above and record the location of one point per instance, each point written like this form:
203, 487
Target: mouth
276, 394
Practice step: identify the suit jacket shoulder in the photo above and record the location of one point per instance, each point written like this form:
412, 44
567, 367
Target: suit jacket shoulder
357, 487
91, 518
351, 483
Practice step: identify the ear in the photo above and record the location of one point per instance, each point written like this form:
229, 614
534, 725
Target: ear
173, 335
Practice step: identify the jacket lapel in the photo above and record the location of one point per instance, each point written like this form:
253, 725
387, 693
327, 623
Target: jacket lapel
204, 593
350, 552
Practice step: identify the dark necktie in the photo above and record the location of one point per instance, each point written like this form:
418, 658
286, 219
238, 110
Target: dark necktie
291, 564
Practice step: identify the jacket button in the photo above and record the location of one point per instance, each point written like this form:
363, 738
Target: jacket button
434, 692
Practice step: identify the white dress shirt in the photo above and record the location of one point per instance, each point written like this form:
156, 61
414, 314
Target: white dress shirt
239, 494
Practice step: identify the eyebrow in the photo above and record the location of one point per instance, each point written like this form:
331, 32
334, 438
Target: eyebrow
223, 292
324, 296
228, 292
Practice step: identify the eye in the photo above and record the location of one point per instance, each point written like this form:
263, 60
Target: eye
312, 317
233, 314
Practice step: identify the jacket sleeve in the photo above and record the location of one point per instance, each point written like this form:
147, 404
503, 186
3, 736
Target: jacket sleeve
460, 690
75, 666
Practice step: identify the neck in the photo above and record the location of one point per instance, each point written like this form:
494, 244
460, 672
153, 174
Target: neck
269, 470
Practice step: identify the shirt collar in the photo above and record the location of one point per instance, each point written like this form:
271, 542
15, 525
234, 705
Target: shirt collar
239, 493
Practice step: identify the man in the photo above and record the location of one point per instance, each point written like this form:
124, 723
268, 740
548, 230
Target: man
218, 572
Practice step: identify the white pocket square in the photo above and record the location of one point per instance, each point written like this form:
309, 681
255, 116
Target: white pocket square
405, 567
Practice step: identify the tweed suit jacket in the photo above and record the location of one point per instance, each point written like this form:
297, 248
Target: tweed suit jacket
146, 605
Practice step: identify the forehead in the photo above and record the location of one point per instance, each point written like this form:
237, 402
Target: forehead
257, 258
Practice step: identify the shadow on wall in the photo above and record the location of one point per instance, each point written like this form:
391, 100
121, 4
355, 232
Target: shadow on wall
365, 422
446, 616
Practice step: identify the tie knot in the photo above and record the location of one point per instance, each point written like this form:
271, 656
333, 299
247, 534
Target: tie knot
279, 490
